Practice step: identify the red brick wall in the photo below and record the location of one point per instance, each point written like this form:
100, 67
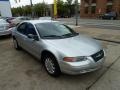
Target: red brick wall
82, 8
116, 6
101, 6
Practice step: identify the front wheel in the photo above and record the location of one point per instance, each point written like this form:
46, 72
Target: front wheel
51, 66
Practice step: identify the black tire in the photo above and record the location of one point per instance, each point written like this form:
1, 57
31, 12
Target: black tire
56, 69
16, 46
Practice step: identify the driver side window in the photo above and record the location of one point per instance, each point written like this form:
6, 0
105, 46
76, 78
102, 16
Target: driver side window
31, 29
22, 29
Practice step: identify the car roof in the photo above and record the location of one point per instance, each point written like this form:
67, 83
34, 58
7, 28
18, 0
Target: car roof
39, 21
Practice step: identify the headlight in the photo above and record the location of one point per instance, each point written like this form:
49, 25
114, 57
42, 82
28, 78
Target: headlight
75, 59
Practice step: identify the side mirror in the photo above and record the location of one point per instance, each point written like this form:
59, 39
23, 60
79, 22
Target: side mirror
33, 37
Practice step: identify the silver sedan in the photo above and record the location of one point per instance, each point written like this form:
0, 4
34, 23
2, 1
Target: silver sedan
59, 47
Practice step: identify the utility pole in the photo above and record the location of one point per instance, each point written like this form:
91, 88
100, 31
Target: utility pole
32, 8
76, 11
51, 11
55, 9
44, 10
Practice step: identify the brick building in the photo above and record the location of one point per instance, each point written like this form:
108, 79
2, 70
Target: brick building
94, 8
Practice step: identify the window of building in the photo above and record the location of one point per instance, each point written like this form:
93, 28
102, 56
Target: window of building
93, 9
86, 10
87, 1
110, 0
109, 8
93, 1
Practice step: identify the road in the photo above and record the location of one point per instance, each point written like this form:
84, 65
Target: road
103, 24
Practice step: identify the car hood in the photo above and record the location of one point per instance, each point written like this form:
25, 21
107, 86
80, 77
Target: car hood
75, 46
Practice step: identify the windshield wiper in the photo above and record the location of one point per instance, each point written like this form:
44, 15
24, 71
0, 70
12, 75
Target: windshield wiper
52, 36
70, 34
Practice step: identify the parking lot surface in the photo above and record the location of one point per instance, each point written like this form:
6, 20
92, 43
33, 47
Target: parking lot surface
21, 71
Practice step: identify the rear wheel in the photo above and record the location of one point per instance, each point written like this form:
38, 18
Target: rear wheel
16, 46
51, 65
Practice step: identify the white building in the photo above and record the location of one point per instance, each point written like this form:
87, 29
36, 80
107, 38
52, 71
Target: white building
5, 8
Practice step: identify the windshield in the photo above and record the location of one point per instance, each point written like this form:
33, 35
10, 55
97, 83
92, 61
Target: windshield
54, 30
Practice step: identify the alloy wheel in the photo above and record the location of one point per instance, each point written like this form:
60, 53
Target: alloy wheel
49, 65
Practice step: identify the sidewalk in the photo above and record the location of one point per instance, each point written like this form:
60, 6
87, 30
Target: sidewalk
110, 79
102, 34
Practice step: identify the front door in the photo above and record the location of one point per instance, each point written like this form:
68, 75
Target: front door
33, 46
21, 35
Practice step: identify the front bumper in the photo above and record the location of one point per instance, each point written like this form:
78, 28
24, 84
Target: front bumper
5, 32
75, 68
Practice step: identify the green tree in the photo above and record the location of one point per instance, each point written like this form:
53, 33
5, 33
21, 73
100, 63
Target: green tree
69, 2
70, 7
65, 9
27, 10
17, 11
41, 9
60, 7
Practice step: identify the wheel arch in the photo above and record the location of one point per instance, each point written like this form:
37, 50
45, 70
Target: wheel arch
56, 62
47, 52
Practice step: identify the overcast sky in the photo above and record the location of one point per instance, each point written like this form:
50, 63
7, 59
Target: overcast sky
27, 2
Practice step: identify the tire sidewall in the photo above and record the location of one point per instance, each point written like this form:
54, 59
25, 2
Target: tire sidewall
16, 46
57, 71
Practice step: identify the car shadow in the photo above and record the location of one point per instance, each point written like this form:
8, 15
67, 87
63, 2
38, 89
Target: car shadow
5, 37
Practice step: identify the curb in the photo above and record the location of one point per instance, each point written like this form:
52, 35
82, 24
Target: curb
118, 42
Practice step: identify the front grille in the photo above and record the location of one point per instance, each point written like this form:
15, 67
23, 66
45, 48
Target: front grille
97, 56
